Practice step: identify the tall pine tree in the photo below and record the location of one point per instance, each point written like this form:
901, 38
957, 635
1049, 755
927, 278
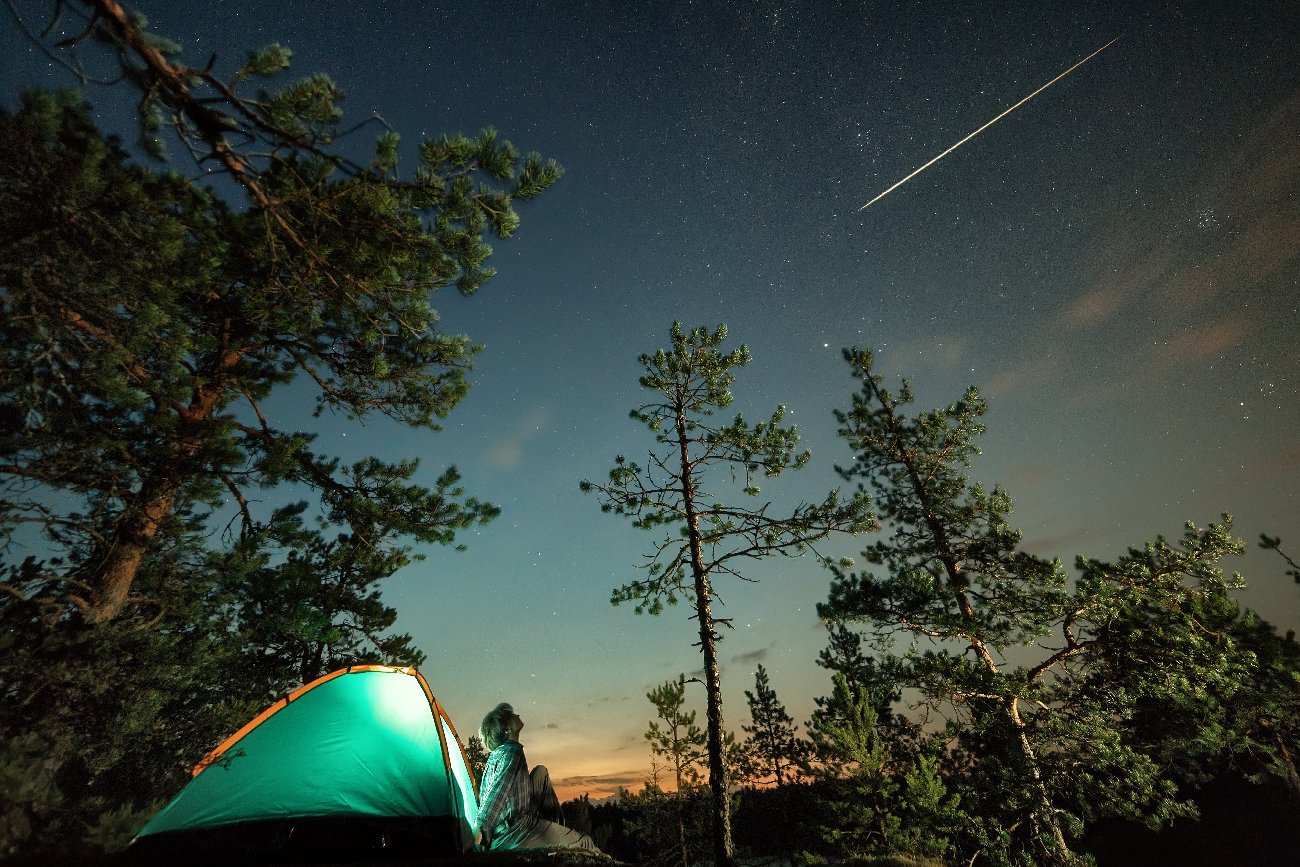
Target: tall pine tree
704, 537
1047, 746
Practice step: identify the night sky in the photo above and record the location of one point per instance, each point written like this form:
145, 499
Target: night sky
1115, 264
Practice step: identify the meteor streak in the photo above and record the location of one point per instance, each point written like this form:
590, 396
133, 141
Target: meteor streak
917, 171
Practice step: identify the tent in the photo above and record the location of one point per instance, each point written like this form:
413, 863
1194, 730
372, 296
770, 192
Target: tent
363, 759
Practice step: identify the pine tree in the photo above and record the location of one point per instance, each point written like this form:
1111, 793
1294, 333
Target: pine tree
306, 605
878, 679
861, 804
257, 139
843, 654
878, 799
476, 754
1045, 737
773, 740
705, 537
146, 323
1274, 543
679, 741
1240, 720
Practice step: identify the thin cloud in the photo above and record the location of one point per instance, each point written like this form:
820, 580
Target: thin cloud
1064, 545
1248, 256
1272, 171
1030, 475
1128, 277
750, 658
1197, 345
1235, 231
941, 354
1201, 342
506, 453
604, 783
1021, 377
1275, 464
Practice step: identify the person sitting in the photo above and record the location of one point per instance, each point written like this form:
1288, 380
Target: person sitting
518, 809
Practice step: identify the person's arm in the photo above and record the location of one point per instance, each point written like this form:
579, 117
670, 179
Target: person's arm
502, 765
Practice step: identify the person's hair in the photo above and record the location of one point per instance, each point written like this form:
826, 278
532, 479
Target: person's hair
493, 729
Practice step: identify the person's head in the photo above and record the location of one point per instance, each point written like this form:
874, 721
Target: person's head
500, 725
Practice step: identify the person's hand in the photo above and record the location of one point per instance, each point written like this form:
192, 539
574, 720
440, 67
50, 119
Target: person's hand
478, 838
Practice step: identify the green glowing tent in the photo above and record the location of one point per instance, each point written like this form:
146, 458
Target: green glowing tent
363, 759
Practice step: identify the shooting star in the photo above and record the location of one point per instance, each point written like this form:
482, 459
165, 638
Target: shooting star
916, 172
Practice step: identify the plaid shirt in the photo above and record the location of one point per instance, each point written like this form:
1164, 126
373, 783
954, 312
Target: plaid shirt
506, 791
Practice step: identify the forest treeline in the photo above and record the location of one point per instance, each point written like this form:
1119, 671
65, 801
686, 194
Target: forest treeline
985, 706
862, 783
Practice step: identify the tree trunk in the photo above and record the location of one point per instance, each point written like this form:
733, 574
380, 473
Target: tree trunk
114, 570
1044, 814
723, 851
679, 798
1042, 818
683, 850
111, 570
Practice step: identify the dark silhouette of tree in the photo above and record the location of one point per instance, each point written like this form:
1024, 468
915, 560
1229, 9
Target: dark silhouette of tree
98, 727
476, 753
680, 742
305, 604
1274, 543
773, 740
650, 825
706, 537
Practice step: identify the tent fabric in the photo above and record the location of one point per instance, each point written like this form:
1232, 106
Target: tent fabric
363, 742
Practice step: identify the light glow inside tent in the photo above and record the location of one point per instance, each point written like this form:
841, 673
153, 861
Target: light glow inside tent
369, 741
460, 770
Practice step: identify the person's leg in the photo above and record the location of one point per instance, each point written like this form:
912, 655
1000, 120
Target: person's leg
549, 835
548, 803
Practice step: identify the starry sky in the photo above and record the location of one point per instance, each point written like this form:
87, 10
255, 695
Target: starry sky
1116, 264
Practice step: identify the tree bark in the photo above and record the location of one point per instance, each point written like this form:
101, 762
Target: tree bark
1042, 818
112, 569
115, 569
723, 850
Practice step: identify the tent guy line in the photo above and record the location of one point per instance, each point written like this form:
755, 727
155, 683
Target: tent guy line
954, 147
